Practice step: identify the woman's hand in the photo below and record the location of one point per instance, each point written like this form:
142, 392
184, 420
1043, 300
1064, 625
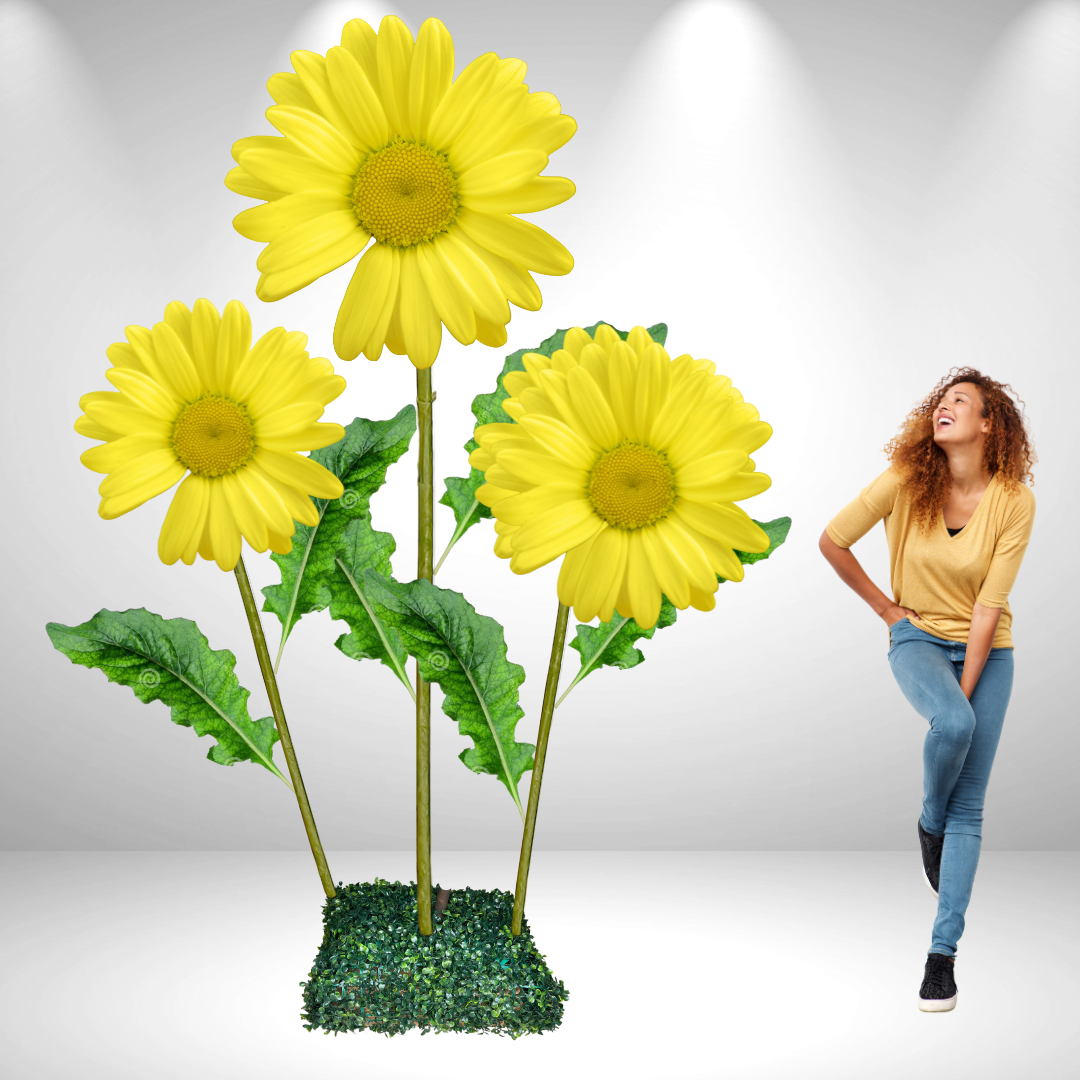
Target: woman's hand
895, 613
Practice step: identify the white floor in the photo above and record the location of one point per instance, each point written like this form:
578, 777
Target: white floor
748, 965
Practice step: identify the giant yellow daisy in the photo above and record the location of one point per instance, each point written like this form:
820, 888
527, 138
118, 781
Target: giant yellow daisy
194, 396
378, 143
630, 463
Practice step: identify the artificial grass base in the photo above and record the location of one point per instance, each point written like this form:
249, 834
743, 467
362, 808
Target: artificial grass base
375, 971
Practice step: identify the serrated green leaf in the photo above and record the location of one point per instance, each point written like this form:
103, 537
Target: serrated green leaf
460, 494
169, 660
360, 461
369, 638
464, 653
776, 530
611, 644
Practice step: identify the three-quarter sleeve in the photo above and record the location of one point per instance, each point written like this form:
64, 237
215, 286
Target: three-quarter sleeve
1008, 551
865, 510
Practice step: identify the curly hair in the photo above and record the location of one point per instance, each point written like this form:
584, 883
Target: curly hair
923, 465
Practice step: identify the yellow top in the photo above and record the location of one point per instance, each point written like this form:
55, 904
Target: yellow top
938, 575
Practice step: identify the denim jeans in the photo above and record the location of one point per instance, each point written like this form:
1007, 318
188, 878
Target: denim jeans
957, 756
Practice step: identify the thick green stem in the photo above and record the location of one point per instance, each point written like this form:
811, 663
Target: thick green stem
282, 728
425, 537
550, 690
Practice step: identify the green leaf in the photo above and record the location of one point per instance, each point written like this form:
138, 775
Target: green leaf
370, 638
360, 461
776, 530
460, 494
169, 660
464, 653
611, 644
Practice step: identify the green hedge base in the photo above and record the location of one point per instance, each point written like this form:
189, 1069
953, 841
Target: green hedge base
374, 970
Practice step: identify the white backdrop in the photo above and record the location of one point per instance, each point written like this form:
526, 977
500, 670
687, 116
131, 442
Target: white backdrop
836, 201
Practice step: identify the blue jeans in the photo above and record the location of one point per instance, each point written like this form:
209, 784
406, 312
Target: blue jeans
957, 756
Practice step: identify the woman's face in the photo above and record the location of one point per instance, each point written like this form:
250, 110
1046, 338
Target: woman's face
958, 417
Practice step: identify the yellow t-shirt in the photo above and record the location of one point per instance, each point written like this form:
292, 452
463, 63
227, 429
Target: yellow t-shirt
938, 575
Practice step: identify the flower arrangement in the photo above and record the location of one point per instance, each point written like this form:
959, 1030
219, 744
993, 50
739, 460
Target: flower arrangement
596, 447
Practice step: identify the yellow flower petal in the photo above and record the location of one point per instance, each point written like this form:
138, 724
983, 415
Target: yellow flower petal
123, 419
362, 41
233, 343
540, 193
521, 507
312, 437
666, 568
547, 536
602, 576
302, 473
222, 536
288, 171
471, 276
594, 411
243, 183
314, 136
430, 75
358, 98
184, 522
420, 324
645, 593
571, 570
142, 391
499, 174
521, 241
312, 72
729, 524
461, 100
514, 281
394, 51
267, 222
120, 452
368, 304
446, 295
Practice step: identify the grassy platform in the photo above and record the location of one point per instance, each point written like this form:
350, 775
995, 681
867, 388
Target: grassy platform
375, 971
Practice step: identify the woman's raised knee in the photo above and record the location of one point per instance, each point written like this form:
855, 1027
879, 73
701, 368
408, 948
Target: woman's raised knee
955, 723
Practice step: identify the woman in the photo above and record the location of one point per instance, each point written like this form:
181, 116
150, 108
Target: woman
958, 518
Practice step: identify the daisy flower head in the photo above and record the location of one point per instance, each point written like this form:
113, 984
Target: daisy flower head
194, 396
629, 463
380, 144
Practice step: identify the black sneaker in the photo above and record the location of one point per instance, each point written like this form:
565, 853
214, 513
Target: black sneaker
931, 856
938, 990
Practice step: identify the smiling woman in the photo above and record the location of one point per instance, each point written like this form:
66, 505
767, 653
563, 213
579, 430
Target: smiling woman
958, 519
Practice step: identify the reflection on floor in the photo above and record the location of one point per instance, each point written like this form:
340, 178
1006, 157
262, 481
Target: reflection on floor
749, 965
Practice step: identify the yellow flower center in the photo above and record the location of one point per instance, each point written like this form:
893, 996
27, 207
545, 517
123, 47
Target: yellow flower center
213, 436
405, 193
632, 486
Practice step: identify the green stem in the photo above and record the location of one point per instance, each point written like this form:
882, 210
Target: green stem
586, 668
554, 666
282, 728
425, 543
459, 532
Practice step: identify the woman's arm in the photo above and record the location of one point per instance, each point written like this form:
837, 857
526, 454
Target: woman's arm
853, 575
984, 622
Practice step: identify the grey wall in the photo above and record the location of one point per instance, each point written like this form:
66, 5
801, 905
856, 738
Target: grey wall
835, 200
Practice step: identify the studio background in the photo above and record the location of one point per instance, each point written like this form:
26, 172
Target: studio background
835, 201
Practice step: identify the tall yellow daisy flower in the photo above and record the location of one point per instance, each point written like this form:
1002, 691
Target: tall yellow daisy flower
378, 143
630, 463
194, 396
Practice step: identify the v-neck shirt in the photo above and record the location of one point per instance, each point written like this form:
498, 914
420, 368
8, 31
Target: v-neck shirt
941, 574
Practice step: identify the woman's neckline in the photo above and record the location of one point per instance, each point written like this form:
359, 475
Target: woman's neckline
978, 506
